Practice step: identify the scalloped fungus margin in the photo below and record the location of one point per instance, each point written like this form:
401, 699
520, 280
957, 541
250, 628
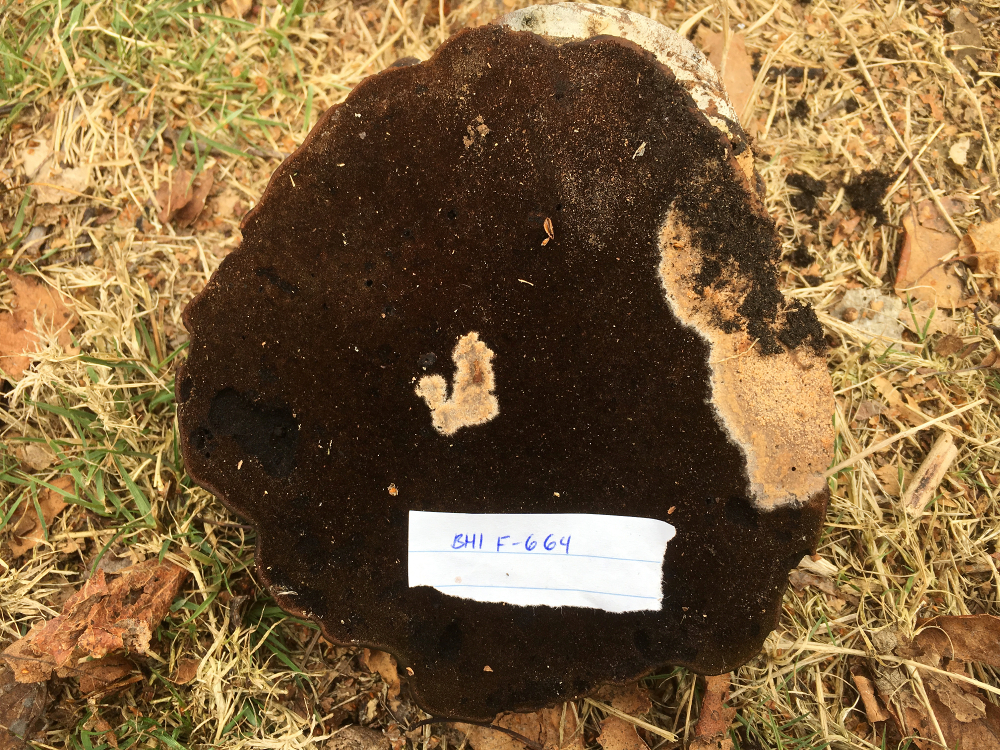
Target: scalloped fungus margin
414, 214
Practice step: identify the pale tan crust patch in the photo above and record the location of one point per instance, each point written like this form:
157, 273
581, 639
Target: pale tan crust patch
472, 401
778, 407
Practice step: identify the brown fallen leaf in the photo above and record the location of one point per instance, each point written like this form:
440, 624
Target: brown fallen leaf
551, 728
187, 670
965, 637
40, 310
100, 725
799, 579
948, 344
102, 617
982, 242
925, 319
631, 699
182, 199
921, 273
738, 75
385, 665
36, 456
888, 477
965, 716
867, 409
899, 406
845, 229
21, 709
230, 203
618, 734
716, 717
100, 674
236, 8
873, 709
27, 528
53, 182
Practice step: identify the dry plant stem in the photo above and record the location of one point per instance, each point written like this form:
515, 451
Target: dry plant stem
928, 477
651, 728
900, 435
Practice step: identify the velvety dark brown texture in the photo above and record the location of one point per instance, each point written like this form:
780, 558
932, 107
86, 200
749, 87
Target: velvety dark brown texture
400, 226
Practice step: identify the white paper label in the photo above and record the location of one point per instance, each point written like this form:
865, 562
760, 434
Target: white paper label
612, 563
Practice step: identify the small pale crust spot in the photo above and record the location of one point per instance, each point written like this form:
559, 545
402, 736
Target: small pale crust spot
472, 401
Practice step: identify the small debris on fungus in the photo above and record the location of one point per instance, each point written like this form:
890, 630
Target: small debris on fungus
649, 341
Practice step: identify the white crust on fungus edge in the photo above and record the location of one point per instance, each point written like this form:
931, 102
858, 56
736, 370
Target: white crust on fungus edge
775, 408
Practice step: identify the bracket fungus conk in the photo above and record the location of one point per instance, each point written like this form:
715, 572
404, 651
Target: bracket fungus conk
532, 281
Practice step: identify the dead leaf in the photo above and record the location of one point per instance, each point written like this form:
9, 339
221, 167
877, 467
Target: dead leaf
867, 409
187, 670
631, 699
866, 690
738, 76
236, 8
959, 152
925, 319
229, 203
928, 477
357, 738
888, 477
99, 674
618, 734
845, 229
948, 344
53, 182
37, 456
40, 310
543, 727
982, 242
966, 718
895, 400
929, 215
965, 637
101, 726
21, 709
27, 528
921, 273
182, 199
101, 617
716, 717
385, 665
799, 579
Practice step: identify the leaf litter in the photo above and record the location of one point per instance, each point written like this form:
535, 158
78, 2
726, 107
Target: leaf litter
27, 528
39, 312
103, 617
821, 71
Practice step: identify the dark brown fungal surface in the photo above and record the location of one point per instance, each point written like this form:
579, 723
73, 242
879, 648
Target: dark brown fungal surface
414, 217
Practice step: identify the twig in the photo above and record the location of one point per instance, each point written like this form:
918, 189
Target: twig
929, 475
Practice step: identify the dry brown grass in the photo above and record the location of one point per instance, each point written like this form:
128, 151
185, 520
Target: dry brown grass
133, 92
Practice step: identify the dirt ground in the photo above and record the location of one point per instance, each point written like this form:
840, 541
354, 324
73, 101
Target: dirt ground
133, 138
